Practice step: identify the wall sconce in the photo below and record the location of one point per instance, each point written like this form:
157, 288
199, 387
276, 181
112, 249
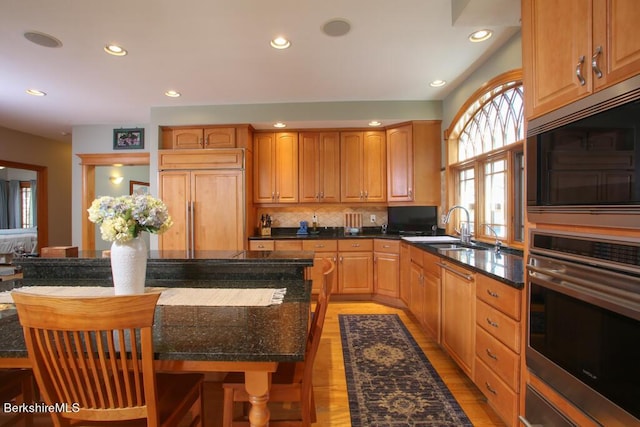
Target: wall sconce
116, 179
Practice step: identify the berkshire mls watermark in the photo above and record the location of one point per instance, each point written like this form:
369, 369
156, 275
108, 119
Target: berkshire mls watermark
33, 408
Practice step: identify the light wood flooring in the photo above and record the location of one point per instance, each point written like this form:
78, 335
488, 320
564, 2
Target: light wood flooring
329, 376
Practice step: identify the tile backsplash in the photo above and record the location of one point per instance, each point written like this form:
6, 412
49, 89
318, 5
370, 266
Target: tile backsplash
330, 216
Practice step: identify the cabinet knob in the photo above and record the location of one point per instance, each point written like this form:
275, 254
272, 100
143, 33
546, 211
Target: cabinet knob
492, 323
493, 294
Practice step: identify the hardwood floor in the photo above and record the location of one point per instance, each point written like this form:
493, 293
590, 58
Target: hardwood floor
329, 377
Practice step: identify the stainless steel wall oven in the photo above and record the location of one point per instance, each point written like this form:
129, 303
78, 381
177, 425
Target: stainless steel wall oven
584, 322
583, 161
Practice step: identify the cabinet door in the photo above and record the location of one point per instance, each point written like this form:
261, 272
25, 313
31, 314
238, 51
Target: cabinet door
175, 192
187, 138
355, 273
375, 167
458, 316
405, 273
400, 164
220, 137
218, 209
615, 32
416, 280
286, 167
556, 40
432, 295
315, 273
319, 167
351, 167
386, 274
264, 185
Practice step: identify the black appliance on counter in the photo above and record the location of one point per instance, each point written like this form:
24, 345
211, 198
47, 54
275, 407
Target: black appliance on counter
584, 326
415, 220
583, 161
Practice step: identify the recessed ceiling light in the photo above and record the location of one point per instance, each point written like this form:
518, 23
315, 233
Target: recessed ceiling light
280, 43
374, 123
35, 92
279, 125
115, 50
480, 36
172, 94
437, 83
42, 39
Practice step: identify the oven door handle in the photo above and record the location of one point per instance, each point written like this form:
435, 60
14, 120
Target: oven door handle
618, 300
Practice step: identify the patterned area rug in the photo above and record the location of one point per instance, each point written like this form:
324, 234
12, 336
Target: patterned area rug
390, 381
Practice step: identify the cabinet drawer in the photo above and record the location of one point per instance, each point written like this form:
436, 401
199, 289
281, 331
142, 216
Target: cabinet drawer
430, 263
499, 325
503, 297
500, 396
416, 255
320, 245
386, 246
261, 245
355, 245
201, 159
499, 358
288, 245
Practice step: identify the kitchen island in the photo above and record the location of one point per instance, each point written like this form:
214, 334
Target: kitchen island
250, 339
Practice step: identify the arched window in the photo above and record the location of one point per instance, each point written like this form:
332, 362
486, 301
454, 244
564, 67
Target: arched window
485, 161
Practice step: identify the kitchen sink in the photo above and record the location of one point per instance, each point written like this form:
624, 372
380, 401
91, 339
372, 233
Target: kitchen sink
456, 247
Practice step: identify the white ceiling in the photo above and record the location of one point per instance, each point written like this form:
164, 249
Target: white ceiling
216, 52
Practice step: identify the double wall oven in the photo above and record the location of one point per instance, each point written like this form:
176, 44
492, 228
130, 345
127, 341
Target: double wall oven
584, 324
583, 168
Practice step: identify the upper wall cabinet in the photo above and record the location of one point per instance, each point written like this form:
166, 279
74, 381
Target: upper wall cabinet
576, 47
199, 137
319, 167
413, 163
362, 166
275, 178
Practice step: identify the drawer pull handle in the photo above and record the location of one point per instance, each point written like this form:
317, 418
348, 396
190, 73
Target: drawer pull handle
594, 62
491, 355
492, 323
355, 245
579, 71
493, 294
491, 389
319, 246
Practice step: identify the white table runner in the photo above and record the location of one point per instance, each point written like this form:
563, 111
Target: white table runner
228, 297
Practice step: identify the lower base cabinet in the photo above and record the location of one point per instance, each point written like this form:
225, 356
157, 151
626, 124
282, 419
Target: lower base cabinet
386, 267
355, 272
324, 249
458, 315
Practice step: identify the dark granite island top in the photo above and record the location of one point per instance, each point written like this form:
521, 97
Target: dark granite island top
192, 334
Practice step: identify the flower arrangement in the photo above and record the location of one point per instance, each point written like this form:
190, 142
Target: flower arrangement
122, 218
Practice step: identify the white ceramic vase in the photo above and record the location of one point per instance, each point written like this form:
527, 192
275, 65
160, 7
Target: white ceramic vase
129, 266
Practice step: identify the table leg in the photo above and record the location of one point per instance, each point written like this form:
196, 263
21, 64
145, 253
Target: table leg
257, 384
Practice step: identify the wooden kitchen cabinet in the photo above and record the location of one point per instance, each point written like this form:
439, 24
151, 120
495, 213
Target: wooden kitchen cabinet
207, 207
432, 294
323, 249
386, 267
362, 167
413, 163
499, 346
458, 314
405, 276
576, 47
319, 167
355, 272
416, 284
199, 137
275, 177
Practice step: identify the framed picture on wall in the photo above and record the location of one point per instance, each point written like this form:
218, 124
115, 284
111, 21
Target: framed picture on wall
128, 139
138, 187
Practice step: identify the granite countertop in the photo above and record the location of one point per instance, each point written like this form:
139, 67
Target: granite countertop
273, 333
507, 266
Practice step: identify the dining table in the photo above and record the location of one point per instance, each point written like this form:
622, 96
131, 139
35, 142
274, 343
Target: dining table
194, 334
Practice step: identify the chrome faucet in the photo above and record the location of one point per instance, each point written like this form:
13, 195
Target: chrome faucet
465, 228
498, 242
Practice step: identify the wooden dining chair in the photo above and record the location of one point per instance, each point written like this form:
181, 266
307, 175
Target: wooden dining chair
16, 387
95, 354
292, 382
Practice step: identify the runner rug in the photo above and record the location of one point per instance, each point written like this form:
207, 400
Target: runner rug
390, 382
